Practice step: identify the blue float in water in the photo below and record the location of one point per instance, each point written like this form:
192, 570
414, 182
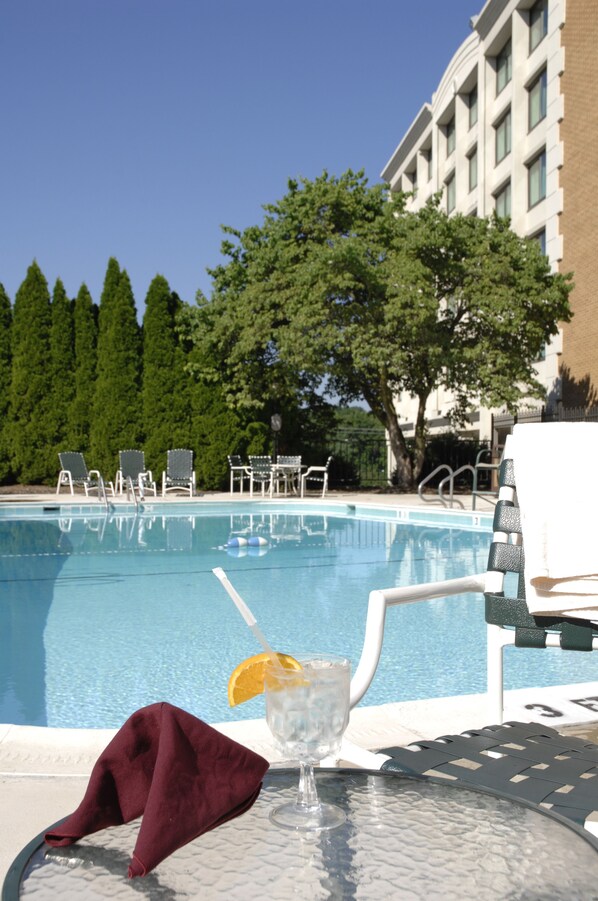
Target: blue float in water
237, 542
257, 541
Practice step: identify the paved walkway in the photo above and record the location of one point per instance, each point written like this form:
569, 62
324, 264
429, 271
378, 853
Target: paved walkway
44, 771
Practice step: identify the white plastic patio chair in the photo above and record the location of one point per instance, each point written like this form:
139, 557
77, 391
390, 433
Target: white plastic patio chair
318, 474
74, 471
132, 466
239, 472
260, 473
179, 474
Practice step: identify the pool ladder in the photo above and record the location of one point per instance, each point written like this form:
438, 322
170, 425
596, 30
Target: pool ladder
450, 480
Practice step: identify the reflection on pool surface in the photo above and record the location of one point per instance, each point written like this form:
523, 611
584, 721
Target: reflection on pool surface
102, 614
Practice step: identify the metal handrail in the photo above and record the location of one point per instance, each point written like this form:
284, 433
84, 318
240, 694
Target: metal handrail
102, 491
451, 478
131, 491
429, 500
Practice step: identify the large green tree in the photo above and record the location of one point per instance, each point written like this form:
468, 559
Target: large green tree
341, 290
30, 421
116, 423
5, 378
86, 339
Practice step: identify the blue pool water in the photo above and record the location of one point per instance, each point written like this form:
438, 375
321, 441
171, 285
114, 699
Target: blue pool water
102, 614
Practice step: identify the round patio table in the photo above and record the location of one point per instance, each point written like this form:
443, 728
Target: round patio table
404, 838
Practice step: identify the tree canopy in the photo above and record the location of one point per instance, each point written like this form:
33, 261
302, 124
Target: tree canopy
343, 292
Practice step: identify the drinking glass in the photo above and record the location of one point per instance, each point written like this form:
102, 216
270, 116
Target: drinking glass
307, 711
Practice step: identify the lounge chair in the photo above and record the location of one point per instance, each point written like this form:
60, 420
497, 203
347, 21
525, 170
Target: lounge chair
529, 761
239, 472
179, 474
508, 619
318, 474
74, 471
260, 473
132, 466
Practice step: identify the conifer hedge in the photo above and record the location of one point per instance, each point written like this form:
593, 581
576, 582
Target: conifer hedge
79, 376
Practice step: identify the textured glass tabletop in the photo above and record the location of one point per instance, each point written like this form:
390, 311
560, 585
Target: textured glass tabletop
404, 838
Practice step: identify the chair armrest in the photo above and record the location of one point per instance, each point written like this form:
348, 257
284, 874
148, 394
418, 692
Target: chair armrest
379, 600
313, 469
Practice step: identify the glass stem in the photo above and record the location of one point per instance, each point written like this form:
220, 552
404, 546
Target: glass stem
307, 793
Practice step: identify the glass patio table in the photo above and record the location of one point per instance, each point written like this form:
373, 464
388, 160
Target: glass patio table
404, 837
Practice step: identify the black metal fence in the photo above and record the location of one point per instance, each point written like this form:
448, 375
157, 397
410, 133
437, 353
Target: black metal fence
360, 458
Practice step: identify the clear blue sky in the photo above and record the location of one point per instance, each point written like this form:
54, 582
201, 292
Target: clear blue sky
136, 128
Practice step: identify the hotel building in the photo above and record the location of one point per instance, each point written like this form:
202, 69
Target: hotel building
513, 127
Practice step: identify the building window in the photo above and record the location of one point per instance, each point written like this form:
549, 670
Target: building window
503, 137
473, 169
536, 180
427, 155
450, 137
502, 202
540, 237
503, 67
472, 102
538, 23
451, 194
537, 100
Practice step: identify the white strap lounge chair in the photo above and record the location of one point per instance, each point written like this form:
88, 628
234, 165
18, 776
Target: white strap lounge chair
132, 466
74, 471
179, 474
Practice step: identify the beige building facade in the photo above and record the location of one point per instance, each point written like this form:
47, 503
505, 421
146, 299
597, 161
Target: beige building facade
513, 127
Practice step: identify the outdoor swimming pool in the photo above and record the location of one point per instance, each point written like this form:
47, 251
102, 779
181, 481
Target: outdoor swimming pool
102, 613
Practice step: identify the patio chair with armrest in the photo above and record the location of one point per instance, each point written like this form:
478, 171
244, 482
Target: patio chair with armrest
529, 761
74, 471
260, 473
287, 472
317, 474
132, 466
239, 472
179, 474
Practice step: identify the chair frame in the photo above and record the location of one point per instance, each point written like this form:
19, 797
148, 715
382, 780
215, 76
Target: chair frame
178, 483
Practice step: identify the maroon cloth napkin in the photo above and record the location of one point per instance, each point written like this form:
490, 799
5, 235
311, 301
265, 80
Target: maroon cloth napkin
181, 774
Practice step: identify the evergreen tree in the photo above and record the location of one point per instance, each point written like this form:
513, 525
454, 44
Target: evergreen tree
5, 377
116, 423
216, 432
86, 339
166, 409
62, 367
30, 426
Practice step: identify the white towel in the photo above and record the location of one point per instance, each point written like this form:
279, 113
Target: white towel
558, 496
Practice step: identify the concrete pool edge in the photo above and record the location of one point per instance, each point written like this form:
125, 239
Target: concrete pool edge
44, 770
48, 751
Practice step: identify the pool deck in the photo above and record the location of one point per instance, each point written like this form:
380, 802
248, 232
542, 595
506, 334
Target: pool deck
44, 771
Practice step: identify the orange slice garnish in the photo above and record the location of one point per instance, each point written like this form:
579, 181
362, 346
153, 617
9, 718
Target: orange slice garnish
247, 679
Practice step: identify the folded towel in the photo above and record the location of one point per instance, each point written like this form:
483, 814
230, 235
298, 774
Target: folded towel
181, 774
558, 515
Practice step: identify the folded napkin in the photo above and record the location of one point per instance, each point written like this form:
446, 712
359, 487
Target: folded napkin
181, 774
558, 515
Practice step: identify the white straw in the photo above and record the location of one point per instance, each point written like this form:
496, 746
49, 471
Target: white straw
246, 614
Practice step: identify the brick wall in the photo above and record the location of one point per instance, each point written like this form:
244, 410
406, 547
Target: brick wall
579, 219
